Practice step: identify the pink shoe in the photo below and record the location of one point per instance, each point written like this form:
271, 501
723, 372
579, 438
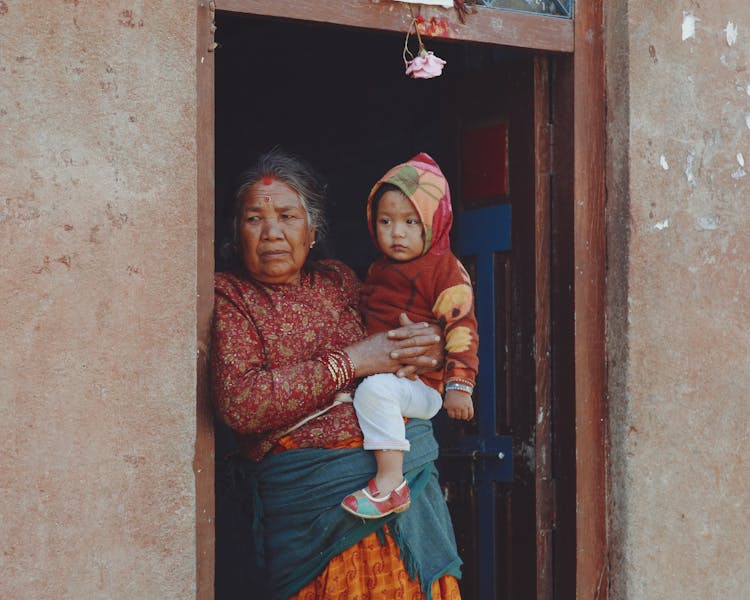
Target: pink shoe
367, 503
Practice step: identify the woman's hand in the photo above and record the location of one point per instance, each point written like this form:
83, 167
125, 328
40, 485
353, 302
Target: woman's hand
412, 348
423, 350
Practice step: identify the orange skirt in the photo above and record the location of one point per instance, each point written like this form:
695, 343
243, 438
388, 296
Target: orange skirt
371, 571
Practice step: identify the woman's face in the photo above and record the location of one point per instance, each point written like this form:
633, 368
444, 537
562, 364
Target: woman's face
274, 232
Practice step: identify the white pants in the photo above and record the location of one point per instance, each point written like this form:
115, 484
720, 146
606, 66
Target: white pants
383, 400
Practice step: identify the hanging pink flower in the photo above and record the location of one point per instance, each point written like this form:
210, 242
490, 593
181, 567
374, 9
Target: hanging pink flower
425, 65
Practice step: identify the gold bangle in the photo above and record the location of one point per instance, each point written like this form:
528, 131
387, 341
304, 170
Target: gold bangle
340, 367
347, 364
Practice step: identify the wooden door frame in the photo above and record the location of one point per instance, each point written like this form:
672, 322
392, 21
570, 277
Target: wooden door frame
204, 458
589, 265
544, 492
583, 38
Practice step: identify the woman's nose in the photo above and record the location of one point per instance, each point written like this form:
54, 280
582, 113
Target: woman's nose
271, 229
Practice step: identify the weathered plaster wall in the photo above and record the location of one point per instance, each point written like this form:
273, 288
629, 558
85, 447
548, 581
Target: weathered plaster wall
97, 289
678, 297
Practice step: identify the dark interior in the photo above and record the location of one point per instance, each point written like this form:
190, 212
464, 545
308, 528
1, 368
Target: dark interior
339, 98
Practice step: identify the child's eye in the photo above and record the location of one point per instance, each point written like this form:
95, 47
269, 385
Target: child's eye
384, 221
413, 222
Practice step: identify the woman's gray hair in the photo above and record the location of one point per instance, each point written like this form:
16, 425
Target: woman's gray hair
295, 172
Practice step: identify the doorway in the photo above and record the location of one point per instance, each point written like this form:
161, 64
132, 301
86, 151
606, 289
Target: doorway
339, 97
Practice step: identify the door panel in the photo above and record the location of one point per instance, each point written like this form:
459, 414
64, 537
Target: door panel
488, 465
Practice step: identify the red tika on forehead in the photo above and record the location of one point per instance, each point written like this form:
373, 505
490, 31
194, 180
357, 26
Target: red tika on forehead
267, 180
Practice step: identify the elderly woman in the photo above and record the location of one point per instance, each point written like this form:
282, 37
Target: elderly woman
288, 348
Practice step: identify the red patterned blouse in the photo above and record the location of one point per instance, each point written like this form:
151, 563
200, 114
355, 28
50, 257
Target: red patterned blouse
265, 345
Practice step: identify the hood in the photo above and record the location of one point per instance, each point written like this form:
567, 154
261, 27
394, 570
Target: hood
422, 181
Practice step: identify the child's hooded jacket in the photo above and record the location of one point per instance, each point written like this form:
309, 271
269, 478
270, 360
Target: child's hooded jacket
434, 287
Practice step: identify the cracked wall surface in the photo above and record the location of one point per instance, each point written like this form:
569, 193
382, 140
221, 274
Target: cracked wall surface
678, 300
97, 286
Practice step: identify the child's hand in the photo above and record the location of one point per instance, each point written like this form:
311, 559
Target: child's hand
458, 405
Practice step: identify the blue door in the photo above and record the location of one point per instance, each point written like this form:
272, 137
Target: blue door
488, 466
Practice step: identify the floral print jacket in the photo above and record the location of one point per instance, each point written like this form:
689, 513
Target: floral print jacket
265, 342
434, 287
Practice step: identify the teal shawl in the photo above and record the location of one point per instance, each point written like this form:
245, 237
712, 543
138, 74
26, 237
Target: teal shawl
299, 525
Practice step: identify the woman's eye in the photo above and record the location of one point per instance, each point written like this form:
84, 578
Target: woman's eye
253, 219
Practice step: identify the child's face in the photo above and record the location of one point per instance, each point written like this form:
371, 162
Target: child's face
398, 227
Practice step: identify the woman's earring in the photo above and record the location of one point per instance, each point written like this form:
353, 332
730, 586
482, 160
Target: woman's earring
312, 244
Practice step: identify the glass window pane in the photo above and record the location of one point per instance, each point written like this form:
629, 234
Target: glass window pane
560, 8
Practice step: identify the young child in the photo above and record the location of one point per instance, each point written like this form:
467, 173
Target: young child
409, 215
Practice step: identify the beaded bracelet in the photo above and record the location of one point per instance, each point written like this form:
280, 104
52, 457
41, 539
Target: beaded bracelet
460, 387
